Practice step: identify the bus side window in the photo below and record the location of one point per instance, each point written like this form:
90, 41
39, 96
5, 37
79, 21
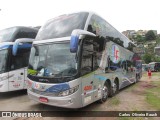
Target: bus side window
129, 64
124, 65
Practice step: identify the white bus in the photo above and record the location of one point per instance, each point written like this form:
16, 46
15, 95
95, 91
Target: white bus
14, 56
154, 66
77, 59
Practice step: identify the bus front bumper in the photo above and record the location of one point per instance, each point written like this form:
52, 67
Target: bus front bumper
71, 101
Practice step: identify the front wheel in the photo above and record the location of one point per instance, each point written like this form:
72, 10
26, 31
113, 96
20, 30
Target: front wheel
105, 93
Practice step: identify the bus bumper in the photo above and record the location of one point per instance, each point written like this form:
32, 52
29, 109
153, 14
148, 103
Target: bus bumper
71, 101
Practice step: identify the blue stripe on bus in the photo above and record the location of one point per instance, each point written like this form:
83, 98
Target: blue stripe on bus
4, 46
100, 77
19, 47
25, 46
58, 88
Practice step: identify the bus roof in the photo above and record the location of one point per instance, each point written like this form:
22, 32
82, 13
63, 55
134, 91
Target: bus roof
10, 34
19, 27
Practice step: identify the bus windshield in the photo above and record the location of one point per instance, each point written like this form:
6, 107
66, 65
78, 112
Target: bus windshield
3, 60
53, 60
62, 26
6, 34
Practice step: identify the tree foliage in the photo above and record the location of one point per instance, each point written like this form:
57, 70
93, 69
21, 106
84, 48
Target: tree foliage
150, 35
147, 58
139, 38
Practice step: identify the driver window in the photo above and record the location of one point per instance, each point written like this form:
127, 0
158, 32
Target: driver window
87, 54
20, 60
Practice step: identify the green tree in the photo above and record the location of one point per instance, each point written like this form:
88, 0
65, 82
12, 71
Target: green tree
156, 59
158, 40
139, 38
150, 35
147, 58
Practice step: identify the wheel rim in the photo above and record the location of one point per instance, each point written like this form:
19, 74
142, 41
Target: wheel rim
105, 92
114, 87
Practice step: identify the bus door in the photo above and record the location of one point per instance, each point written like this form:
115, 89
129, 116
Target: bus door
91, 83
87, 73
17, 70
130, 71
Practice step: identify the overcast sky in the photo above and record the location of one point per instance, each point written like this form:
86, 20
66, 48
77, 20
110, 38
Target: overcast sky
122, 14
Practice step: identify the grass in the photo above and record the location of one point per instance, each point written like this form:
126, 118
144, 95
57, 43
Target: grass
131, 87
115, 101
153, 74
153, 95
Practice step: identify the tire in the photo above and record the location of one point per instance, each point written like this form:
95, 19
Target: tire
115, 89
105, 93
137, 78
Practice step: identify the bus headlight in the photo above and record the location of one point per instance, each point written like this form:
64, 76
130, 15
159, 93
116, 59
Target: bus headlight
68, 92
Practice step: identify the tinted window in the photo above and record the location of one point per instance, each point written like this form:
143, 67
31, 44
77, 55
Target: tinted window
26, 33
91, 55
20, 60
6, 35
86, 64
62, 26
3, 60
100, 27
11, 34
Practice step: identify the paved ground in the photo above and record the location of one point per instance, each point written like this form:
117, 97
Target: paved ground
131, 98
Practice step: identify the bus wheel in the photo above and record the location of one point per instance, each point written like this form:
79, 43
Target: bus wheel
115, 87
105, 93
137, 78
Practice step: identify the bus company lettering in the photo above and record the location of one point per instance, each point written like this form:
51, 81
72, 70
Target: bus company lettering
88, 87
16, 85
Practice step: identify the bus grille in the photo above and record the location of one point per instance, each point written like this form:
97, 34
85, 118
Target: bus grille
44, 93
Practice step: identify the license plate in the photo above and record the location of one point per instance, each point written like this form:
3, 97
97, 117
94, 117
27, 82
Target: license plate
43, 99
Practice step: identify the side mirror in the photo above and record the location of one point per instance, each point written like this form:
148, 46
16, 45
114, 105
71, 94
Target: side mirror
17, 43
75, 38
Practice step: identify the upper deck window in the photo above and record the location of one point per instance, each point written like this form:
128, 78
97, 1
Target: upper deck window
99, 26
62, 26
6, 34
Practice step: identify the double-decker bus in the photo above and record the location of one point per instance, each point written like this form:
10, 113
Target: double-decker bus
15, 46
77, 59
